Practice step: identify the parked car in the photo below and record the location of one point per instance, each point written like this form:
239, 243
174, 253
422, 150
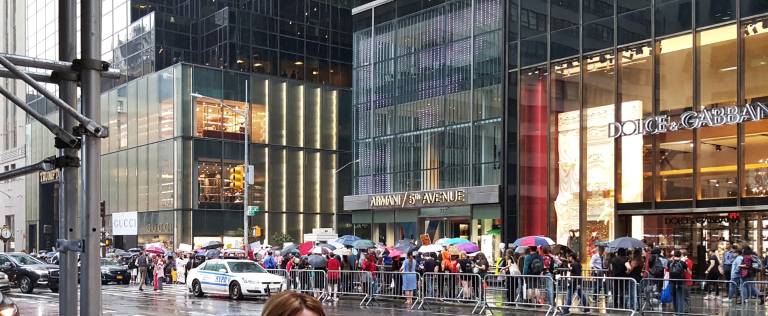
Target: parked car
113, 271
26, 272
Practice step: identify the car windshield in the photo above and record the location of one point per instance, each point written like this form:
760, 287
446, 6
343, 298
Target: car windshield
245, 267
24, 260
109, 262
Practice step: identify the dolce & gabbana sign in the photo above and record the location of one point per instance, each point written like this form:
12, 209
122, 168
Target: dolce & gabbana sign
732, 217
689, 120
418, 199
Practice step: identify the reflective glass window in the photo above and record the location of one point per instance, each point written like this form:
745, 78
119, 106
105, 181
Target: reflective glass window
753, 7
599, 111
565, 13
533, 150
626, 6
710, 12
598, 35
717, 88
673, 17
533, 50
597, 9
675, 90
565, 43
634, 26
533, 18
636, 151
565, 148
755, 178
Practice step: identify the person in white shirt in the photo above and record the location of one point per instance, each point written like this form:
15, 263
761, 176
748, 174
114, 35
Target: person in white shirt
596, 262
181, 263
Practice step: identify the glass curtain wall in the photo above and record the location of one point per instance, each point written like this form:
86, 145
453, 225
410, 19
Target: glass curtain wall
754, 180
428, 99
533, 151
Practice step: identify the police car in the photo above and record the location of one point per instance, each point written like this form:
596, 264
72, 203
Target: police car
236, 278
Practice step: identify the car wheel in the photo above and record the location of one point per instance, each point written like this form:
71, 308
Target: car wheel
197, 289
25, 285
55, 289
235, 292
126, 282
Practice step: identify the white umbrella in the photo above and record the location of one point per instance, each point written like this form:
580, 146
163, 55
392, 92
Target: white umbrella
430, 248
338, 245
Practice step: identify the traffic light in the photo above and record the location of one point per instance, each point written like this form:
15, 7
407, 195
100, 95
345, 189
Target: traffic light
237, 178
107, 242
256, 231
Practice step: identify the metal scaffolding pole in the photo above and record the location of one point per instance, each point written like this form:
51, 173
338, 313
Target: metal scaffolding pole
90, 228
59, 66
69, 193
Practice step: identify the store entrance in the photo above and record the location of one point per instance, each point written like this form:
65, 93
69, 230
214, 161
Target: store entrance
445, 227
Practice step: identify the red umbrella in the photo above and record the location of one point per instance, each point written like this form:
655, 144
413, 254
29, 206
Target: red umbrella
155, 249
306, 248
393, 252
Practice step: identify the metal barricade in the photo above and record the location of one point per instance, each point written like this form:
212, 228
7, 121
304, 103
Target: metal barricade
462, 288
752, 294
283, 273
596, 294
309, 281
525, 292
686, 297
393, 285
343, 284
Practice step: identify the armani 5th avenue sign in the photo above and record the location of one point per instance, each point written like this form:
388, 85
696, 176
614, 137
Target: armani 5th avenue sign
689, 120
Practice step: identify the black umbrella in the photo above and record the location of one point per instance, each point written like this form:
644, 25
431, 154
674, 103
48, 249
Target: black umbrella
213, 253
626, 243
332, 247
135, 250
289, 249
213, 244
317, 261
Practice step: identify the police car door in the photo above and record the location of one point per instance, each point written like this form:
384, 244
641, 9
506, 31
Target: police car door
207, 276
219, 279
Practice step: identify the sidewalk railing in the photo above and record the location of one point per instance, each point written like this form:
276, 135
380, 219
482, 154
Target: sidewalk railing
688, 297
453, 287
283, 273
752, 293
342, 284
596, 294
524, 292
392, 285
309, 281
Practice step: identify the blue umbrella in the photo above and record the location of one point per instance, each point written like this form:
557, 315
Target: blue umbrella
347, 240
405, 245
456, 241
364, 244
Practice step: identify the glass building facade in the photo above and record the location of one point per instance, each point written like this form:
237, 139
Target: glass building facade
576, 66
177, 135
428, 104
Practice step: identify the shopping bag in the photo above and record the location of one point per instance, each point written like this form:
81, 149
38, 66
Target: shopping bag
666, 294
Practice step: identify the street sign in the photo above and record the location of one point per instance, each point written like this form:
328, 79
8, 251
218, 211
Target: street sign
253, 210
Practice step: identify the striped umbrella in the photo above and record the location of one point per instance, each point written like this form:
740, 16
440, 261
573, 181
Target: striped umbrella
533, 241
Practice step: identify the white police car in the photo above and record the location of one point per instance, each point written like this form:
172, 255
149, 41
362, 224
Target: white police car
236, 278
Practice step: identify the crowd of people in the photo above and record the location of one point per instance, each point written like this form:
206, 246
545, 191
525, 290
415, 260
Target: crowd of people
154, 270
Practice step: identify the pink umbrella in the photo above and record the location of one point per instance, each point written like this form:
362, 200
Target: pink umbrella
394, 252
306, 248
469, 247
155, 249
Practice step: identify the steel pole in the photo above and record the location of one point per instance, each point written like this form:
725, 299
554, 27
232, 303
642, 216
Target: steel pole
69, 192
247, 170
90, 283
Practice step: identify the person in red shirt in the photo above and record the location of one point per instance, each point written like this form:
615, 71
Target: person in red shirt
369, 264
688, 275
333, 265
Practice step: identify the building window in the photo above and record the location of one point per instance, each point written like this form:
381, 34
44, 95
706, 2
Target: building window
209, 180
755, 177
565, 117
674, 82
717, 150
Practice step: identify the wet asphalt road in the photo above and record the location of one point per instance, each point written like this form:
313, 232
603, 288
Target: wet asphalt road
175, 300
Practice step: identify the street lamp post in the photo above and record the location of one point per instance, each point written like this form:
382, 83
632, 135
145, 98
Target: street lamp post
246, 165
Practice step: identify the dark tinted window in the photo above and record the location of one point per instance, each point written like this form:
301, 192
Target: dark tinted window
361, 20
597, 9
634, 26
533, 50
512, 21
673, 17
710, 12
533, 18
752, 7
565, 13
512, 55
565, 43
598, 35
405, 7
630, 5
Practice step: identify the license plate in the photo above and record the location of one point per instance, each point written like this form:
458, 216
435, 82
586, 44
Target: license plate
119, 277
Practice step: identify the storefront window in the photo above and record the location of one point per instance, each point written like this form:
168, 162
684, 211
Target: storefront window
599, 102
533, 151
217, 121
209, 182
717, 88
675, 92
636, 151
565, 118
755, 177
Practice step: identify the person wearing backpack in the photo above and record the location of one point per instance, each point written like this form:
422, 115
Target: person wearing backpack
735, 276
142, 264
269, 261
728, 258
677, 269
749, 268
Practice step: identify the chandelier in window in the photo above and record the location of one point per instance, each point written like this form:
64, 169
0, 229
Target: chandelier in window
757, 179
